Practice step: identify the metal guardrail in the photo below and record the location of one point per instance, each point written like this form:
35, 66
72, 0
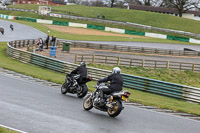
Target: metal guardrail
133, 49
128, 24
130, 81
120, 61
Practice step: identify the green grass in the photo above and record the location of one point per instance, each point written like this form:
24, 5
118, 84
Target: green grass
135, 16
61, 35
136, 96
188, 78
5, 130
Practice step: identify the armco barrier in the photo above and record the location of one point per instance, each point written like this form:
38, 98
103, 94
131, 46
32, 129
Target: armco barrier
134, 49
130, 81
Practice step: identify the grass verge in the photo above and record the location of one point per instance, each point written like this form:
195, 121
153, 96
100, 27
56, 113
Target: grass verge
67, 36
33, 15
135, 16
137, 96
188, 78
5, 130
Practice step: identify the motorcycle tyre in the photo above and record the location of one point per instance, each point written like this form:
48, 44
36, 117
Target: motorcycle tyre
83, 92
118, 110
64, 88
91, 104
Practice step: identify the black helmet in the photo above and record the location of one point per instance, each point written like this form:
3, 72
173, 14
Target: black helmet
83, 64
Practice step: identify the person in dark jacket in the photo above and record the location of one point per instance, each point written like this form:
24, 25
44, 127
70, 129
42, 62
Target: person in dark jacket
82, 70
47, 42
116, 83
53, 40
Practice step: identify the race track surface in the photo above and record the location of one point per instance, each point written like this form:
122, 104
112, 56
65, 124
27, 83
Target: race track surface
20, 32
35, 108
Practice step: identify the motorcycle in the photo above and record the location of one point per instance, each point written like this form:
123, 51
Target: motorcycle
72, 86
2, 30
112, 103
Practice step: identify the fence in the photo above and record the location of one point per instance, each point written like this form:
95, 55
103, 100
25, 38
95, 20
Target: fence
128, 24
130, 81
133, 49
112, 60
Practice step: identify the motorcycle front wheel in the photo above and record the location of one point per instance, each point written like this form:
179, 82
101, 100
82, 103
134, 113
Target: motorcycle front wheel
64, 88
87, 103
83, 91
116, 110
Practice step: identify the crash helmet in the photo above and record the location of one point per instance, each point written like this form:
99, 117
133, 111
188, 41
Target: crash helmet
83, 64
116, 70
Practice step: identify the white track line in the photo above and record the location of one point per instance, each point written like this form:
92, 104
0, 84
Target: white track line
12, 129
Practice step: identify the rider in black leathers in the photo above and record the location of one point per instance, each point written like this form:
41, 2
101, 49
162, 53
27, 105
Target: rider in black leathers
116, 83
82, 70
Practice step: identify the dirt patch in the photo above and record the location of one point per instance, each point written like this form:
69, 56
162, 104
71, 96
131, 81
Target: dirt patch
81, 31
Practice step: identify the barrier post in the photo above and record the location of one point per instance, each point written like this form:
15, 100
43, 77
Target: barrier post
93, 58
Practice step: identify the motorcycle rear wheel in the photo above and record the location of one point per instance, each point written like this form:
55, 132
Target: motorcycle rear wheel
87, 103
84, 90
116, 109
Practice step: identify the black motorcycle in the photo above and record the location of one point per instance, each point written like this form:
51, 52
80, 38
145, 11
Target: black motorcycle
72, 86
112, 103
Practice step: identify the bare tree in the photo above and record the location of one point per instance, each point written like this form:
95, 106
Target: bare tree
183, 5
112, 3
147, 2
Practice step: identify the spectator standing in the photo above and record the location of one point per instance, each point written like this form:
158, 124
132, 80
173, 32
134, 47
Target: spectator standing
98, 16
47, 42
40, 43
103, 17
53, 40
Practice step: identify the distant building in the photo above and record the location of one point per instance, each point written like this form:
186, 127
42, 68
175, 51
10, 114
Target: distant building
172, 11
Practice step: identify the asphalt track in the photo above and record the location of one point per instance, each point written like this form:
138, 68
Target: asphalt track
20, 32
35, 108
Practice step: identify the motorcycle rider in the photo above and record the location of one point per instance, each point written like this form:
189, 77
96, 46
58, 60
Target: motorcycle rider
82, 70
116, 83
11, 27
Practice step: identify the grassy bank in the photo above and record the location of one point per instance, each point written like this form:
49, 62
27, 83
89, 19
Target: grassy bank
67, 36
5, 130
135, 16
33, 15
188, 78
137, 96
